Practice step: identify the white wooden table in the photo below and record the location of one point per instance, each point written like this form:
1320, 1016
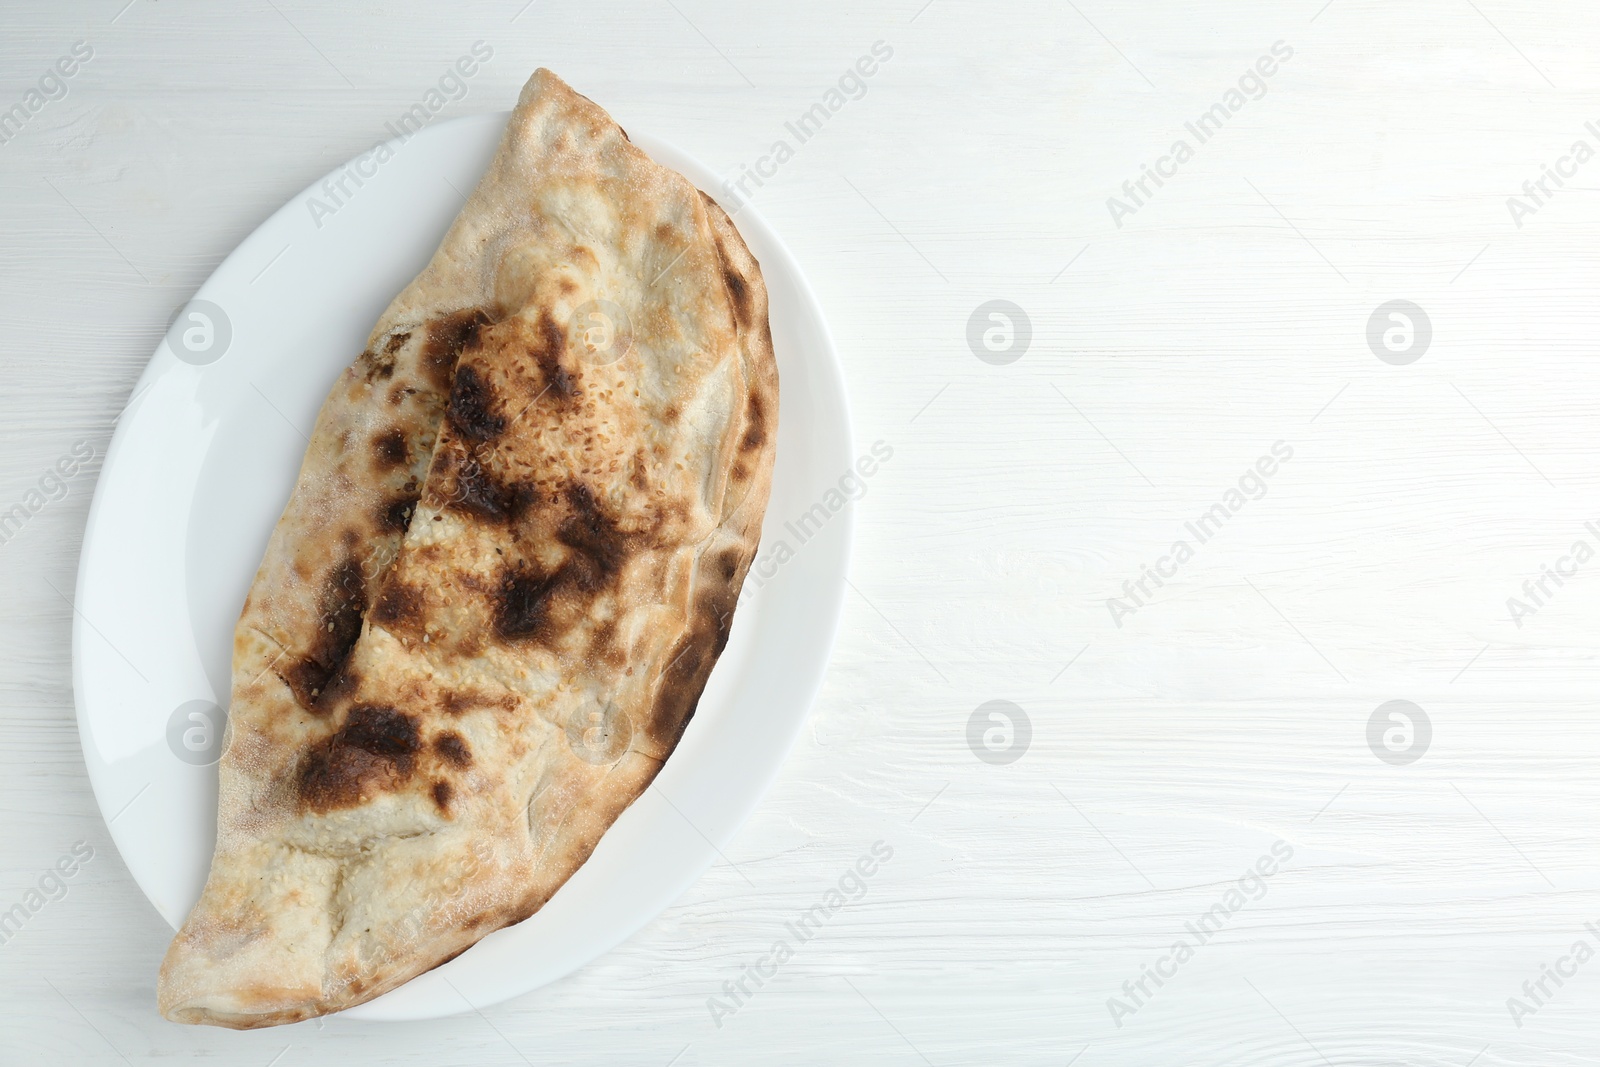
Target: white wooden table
1178, 736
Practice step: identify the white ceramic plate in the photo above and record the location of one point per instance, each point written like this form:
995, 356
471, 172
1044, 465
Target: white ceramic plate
199, 470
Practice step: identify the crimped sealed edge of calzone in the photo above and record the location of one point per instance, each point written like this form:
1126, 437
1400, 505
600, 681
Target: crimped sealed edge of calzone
506, 570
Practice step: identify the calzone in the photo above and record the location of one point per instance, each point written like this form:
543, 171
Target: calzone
506, 570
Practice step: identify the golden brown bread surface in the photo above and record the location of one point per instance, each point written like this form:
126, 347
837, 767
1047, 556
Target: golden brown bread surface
502, 580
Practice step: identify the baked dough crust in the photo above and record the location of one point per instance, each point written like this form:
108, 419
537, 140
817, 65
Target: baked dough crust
506, 570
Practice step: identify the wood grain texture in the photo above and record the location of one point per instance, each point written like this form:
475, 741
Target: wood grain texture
1225, 315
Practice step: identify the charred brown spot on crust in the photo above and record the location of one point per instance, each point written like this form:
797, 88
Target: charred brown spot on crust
684, 678
740, 471
469, 645
567, 286
399, 606
441, 795
374, 750
599, 547
530, 603
740, 291
448, 336
342, 685
729, 564
474, 407
755, 434
389, 449
456, 702
478, 492
397, 513
521, 603
552, 341
453, 750
605, 647
305, 678
714, 615
379, 364
344, 601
